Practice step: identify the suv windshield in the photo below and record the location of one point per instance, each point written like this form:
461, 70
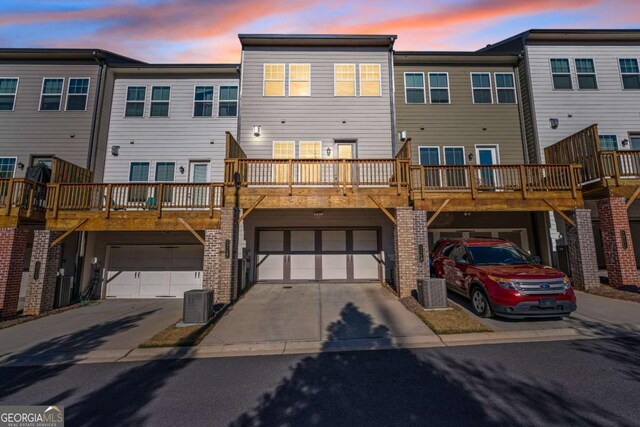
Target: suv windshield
499, 255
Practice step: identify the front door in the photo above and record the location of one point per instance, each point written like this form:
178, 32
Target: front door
487, 156
345, 173
198, 174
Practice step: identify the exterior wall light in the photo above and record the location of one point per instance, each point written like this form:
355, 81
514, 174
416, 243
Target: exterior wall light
20, 165
329, 152
403, 136
257, 130
115, 150
624, 142
181, 169
554, 123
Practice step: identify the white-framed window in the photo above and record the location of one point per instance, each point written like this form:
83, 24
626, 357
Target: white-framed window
7, 167
77, 94
344, 79
160, 97
273, 80
138, 172
51, 94
136, 96
561, 73
165, 172
299, 80
203, 101
8, 92
430, 156
608, 142
630, 73
282, 150
228, 102
414, 88
310, 150
42, 161
370, 80
481, 88
586, 73
505, 88
439, 88
454, 156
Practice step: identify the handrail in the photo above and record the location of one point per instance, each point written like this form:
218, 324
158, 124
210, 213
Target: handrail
405, 151
21, 193
232, 148
63, 171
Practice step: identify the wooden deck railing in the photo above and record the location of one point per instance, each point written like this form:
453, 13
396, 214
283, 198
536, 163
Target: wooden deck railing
503, 178
20, 193
67, 172
135, 196
233, 149
405, 151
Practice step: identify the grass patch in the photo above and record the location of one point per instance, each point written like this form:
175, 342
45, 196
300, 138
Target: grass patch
173, 336
626, 293
444, 322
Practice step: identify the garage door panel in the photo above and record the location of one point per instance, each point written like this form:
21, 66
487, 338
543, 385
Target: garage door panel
154, 283
365, 267
271, 267
334, 267
122, 284
303, 267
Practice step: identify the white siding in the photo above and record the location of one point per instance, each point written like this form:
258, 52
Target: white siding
179, 137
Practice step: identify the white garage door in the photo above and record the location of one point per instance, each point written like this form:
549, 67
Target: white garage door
153, 271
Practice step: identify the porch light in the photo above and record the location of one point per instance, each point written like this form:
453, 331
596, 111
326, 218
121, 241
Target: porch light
329, 152
624, 142
181, 169
257, 129
554, 123
403, 136
115, 150
20, 165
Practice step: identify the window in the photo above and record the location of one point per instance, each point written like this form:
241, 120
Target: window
203, 101
160, 101
414, 88
7, 167
481, 88
138, 172
634, 140
505, 88
344, 80
586, 71
135, 101
42, 160
77, 94
282, 150
430, 156
299, 80
8, 90
560, 73
310, 172
455, 177
51, 96
608, 142
439, 88
273, 80
228, 101
630, 73
370, 80
165, 172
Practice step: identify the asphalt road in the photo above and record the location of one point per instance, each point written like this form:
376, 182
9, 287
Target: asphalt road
573, 383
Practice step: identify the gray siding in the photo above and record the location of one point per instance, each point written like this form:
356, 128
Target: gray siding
179, 137
461, 122
27, 131
321, 116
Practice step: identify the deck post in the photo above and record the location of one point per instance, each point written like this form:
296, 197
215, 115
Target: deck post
582, 251
405, 252
43, 272
13, 248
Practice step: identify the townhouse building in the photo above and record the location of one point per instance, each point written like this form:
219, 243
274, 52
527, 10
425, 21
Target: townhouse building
571, 80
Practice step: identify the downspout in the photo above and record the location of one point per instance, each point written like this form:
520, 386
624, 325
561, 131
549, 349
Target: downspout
392, 104
240, 84
523, 130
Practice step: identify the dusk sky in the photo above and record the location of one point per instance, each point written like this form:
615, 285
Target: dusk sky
206, 30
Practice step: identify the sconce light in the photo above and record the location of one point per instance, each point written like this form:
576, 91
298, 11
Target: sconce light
624, 142
329, 152
257, 129
554, 123
403, 135
20, 165
318, 214
115, 150
470, 156
181, 169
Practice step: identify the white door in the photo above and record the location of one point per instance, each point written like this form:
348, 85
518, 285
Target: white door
122, 275
334, 265
487, 155
199, 173
303, 265
365, 265
155, 272
270, 257
186, 270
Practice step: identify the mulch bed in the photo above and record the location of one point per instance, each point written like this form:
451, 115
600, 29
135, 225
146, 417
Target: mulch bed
18, 319
443, 322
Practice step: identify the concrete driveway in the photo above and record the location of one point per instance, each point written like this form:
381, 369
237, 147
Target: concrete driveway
324, 313
107, 328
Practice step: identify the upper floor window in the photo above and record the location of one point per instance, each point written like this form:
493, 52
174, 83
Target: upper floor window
505, 88
8, 90
77, 94
608, 142
370, 80
228, 101
135, 101
586, 72
160, 101
344, 79
7, 167
481, 87
299, 80
273, 80
561, 73
439, 88
51, 95
630, 73
414, 88
203, 101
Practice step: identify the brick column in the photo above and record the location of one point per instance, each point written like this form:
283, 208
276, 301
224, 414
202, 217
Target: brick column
43, 272
13, 247
404, 240
616, 240
421, 237
211, 260
221, 273
582, 250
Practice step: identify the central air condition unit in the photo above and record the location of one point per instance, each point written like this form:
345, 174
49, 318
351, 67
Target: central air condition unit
432, 293
197, 306
64, 286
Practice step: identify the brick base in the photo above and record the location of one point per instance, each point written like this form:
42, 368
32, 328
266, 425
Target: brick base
582, 250
405, 247
221, 273
13, 246
616, 241
43, 272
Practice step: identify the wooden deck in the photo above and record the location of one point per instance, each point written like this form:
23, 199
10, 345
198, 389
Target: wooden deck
22, 202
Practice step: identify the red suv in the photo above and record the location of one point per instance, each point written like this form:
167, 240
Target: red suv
500, 278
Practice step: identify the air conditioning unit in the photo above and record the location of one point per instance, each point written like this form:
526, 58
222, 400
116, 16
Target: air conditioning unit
64, 286
197, 306
432, 293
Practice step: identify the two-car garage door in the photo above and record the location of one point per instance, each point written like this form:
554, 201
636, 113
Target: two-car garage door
331, 255
144, 271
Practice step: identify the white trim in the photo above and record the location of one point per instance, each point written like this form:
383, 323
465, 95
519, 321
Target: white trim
570, 73
478, 147
595, 74
15, 165
155, 169
473, 98
273, 148
444, 157
193, 163
15, 94
309, 141
379, 80
217, 113
424, 86
193, 107
126, 101
448, 87
86, 101
335, 80
284, 79
620, 71
289, 80
51, 94
139, 161
420, 147
515, 92
168, 102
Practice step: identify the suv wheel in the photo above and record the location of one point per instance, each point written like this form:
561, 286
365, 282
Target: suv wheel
480, 303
